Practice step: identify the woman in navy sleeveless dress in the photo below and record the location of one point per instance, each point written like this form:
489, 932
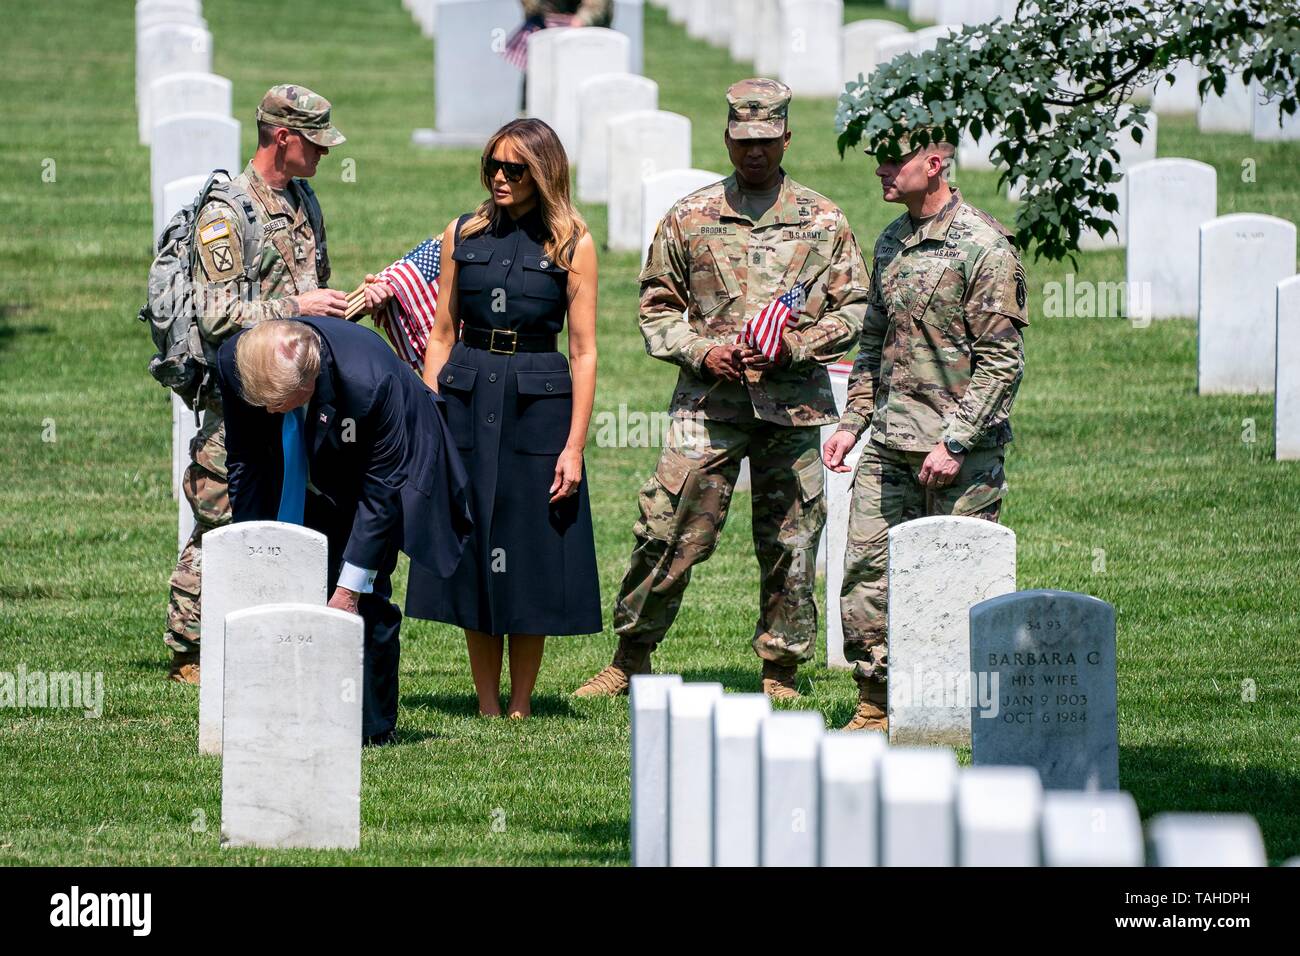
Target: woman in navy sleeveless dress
519, 411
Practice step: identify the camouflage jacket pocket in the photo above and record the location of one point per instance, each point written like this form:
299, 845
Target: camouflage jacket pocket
713, 282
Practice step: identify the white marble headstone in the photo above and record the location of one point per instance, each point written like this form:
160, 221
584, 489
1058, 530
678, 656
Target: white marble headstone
858, 46
923, 11
648, 701
1180, 98
658, 193
190, 144
839, 501
1286, 395
1131, 153
629, 20
600, 99
245, 565
291, 766
737, 719
576, 55
1264, 124
186, 93
939, 568
1206, 840
849, 816
539, 95
641, 144
810, 46
999, 815
769, 38
697, 20
928, 38
690, 773
162, 50
888, 47
1168, 199
184, 429
1242, 259
918, 792
475, 89
744, 30
1049, 661
1091, 829
1233, 112
186, 13
789, 743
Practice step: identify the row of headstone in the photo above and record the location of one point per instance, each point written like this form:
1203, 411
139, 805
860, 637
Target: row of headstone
720, 780
477, 90
280, 700
184, 116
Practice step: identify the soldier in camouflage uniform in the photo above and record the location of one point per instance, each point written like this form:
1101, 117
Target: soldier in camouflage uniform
720, 256
937, 370
294, 131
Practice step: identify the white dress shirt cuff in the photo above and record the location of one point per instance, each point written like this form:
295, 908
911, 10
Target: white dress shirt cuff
356, 579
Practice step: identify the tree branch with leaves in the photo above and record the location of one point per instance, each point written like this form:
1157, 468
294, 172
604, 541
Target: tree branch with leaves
1054, 87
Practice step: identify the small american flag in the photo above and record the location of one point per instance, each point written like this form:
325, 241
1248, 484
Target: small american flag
516, 49
408, 317
763, 331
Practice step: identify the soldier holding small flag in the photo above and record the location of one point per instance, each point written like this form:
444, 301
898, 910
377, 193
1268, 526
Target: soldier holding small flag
752, 286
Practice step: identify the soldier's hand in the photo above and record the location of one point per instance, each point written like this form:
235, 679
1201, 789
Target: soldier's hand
723, 361
323, 302
753, 358
836, 449
940, 467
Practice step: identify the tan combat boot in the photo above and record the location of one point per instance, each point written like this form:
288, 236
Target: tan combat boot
778, 681
616, 677
871, 713
185, 667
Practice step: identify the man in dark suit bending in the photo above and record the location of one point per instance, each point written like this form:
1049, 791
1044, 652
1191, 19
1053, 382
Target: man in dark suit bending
327, 428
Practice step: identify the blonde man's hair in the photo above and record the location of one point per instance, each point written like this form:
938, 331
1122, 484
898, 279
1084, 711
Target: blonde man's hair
275, 359
543, 154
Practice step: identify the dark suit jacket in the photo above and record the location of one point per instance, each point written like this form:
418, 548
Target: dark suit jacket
377, 446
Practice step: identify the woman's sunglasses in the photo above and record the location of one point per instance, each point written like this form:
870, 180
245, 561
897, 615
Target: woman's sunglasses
514, 171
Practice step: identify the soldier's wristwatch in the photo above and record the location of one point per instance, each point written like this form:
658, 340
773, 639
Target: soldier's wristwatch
954, 446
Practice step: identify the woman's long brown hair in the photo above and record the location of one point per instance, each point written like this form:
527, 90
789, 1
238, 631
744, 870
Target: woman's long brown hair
539, 147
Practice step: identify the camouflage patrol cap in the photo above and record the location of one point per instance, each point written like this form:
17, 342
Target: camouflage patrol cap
298, 108
757, 108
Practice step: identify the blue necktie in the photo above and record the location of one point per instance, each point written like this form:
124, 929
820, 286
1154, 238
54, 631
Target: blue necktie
293, 493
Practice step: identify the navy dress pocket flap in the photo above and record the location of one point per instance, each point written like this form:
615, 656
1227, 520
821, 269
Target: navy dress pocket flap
457, 377
475, 253
542, 384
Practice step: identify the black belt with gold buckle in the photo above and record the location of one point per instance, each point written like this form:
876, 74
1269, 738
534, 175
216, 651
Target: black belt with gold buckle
507, 341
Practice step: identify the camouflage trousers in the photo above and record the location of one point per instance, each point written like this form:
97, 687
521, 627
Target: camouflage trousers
684, 507
887, 492
205, 488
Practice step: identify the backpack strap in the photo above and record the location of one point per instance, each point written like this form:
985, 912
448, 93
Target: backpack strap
311, 206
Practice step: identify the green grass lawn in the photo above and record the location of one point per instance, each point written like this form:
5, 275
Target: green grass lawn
1115, 453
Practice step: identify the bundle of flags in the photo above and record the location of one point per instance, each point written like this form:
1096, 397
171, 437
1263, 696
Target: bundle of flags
516, 49
407, 318
763, 331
